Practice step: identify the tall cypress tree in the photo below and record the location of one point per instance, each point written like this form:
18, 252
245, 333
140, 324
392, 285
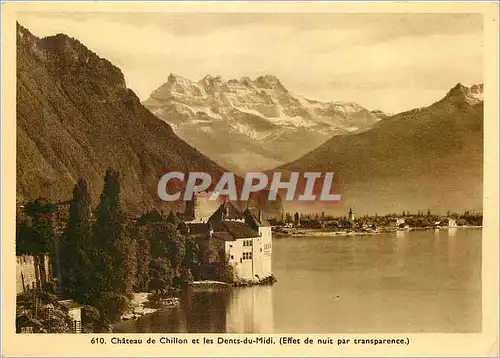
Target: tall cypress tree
114, 258
76, 246
143, 258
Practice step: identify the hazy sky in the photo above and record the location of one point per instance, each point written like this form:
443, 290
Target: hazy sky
391, 62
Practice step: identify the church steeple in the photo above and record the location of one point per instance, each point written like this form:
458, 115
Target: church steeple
351, 216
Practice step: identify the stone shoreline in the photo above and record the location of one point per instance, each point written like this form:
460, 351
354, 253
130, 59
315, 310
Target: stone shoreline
137, 307
270, 280
216, 285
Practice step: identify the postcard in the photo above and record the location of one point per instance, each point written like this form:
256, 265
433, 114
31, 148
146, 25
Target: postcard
250, 179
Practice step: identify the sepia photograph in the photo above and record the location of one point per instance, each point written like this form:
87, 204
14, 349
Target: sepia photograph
249, 173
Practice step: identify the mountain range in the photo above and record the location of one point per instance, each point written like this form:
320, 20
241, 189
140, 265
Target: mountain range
76, 117
426, 158
268, 124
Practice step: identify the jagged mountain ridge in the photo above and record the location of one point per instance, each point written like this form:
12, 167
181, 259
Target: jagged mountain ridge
264, 122
76, 117
426, 158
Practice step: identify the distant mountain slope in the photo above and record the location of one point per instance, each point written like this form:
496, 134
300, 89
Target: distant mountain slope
425, 158
75, 116
265, 123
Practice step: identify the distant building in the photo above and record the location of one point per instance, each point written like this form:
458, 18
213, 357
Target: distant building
397, 222
351, 217
452, 222
244, 238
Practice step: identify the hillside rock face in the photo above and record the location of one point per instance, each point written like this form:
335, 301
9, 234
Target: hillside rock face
427, 158
250, 124
76, 117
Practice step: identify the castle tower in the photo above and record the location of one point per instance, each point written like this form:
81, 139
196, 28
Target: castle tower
204, 207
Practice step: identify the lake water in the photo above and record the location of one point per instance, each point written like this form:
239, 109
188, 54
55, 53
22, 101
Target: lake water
417, 281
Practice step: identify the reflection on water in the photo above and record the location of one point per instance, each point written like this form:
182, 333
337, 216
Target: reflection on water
206, 311
237, 310
250, 310
413, 281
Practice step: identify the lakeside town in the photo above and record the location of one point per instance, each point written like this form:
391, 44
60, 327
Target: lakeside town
319, 224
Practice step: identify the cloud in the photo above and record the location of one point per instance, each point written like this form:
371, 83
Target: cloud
378, 25
353, 57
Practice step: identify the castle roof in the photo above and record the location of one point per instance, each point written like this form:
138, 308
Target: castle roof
199, 230
253, 220
227, 211
227, 223
236, 229
223, 235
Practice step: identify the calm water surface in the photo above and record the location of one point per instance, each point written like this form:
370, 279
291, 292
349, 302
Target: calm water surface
418, 281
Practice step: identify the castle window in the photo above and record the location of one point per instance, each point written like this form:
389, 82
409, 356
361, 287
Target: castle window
248, 243
232, 257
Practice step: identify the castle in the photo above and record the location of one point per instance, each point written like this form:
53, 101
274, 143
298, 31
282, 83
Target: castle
244, 236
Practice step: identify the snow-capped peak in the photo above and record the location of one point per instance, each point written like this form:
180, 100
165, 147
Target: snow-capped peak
173, 77
471, 95
211, 83
254, 106
269, 82
177, 86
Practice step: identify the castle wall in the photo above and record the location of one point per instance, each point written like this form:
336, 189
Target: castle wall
260, 248
267, 250
239, 253
28, 274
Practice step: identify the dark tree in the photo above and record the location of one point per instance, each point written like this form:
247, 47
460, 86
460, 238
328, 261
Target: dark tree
42, 225
143, 258
115, 256
192, 260
160, 275
77, 271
